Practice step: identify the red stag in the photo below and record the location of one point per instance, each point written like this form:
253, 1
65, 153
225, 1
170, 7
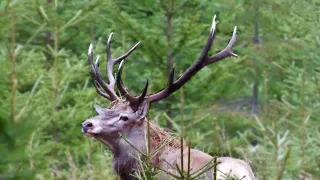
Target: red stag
123, 126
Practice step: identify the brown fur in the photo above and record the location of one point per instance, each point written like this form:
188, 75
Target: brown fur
158, 136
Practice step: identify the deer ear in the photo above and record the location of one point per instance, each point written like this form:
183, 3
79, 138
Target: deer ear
100, 110
143, 109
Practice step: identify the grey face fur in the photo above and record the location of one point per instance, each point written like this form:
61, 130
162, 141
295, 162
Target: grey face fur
119, 119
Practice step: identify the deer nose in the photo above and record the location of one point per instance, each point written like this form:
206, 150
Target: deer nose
86, 126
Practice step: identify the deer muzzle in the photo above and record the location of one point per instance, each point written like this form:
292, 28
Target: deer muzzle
86, 126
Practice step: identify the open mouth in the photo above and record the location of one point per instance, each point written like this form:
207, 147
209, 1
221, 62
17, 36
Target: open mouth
88, 133
92, 132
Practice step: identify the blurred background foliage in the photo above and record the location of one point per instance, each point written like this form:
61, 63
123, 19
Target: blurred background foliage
262, 106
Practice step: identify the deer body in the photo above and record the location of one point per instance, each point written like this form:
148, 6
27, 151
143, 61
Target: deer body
123, 126
126, 151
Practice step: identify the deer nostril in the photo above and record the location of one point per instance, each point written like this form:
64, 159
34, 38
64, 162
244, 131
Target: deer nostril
86, 126
89, 125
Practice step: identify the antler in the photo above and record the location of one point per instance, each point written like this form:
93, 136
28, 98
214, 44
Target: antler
202, 61
134, 101
99, 83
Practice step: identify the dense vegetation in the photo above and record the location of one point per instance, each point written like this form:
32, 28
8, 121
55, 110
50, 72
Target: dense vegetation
262, 106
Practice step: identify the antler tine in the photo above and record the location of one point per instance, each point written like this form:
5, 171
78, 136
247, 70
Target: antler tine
96, 84
202, 61
134, 101
95, 73
101, 93
99, 83
119, 59
111, 62
226, 52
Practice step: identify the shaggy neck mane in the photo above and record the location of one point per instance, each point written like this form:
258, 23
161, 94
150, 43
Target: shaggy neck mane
159, 136
126, 164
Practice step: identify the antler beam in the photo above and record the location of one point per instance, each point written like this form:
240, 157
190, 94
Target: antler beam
203, 60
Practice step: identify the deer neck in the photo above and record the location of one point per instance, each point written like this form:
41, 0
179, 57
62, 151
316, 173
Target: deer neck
128, 148
132, 142
126, 152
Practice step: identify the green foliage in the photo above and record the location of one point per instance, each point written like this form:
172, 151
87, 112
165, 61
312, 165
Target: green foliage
46, 91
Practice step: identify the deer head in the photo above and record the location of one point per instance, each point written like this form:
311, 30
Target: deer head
127, 113
123, 117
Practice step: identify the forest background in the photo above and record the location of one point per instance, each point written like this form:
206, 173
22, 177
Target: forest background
262, 106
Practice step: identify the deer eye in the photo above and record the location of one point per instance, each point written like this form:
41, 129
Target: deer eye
124, 117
